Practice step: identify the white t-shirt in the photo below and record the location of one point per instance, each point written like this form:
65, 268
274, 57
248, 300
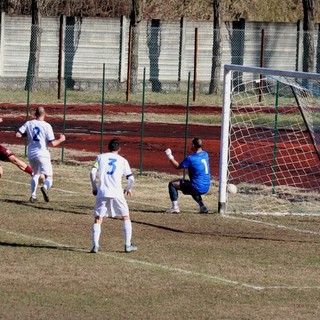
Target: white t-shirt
39, 134
111, 169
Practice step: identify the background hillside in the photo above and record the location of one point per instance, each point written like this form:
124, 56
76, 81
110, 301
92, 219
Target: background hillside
252, 10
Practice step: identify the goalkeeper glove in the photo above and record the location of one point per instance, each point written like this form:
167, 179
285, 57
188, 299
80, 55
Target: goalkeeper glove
169, 154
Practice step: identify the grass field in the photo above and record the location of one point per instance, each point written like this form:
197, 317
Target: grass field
187, 266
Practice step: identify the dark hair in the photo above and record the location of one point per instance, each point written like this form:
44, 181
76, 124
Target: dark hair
197, 142
114, 145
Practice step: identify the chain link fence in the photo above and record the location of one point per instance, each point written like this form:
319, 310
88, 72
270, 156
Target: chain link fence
74, 59
81, 62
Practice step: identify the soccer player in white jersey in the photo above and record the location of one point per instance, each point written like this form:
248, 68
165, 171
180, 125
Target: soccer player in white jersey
40, 135
110, 168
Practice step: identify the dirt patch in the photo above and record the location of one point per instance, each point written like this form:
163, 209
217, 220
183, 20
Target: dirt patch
146, 152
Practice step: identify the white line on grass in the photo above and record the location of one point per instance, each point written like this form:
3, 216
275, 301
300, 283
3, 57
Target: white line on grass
171, 269
57, 189
280, 226
225, 216
163, 267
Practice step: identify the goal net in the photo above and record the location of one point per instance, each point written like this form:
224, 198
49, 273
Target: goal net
270, 142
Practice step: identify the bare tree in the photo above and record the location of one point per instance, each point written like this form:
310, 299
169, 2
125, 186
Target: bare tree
35, 46
216, 49
154, 46
308, 35
81, 8
135, 19
271, 10
72, 39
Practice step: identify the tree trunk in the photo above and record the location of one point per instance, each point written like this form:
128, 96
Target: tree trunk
135, 19
308, 36
216, 50
35, 46
72, 38
154, 46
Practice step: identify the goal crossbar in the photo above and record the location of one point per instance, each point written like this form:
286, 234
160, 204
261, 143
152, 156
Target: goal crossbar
268, 71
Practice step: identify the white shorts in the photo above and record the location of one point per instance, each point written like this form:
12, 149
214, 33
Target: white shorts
116, 207
41, 165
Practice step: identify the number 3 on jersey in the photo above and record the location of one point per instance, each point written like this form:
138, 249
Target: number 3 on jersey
112, 164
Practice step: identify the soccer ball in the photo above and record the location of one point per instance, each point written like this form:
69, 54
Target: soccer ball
232, 188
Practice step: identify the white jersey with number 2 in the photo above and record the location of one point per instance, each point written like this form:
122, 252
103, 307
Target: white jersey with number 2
39, 133
111, 169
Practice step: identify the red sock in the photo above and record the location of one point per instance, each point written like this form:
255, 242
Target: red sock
28, 169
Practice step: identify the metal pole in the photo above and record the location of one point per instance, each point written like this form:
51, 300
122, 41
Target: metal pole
195, 65
261, 63
275, 135
129, 64
60, 57
224, 142
102, 108
187, 122
64, 113
28, 107
142, 120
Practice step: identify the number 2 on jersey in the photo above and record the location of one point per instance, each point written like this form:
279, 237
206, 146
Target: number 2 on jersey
36, 131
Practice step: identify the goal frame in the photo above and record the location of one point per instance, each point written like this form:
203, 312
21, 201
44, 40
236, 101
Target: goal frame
226, 107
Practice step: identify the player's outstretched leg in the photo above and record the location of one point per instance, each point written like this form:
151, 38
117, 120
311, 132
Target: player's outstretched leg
198, 199
45, 194
46, 186
20, 164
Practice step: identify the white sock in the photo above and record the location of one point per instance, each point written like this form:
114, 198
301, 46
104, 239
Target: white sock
174, 204
127, 229
96, 231
47, 183
34, 185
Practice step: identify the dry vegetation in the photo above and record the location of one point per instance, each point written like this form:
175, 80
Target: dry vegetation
188, 266
253, 10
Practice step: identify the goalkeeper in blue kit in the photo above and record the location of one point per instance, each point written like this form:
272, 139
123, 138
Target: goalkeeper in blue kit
199, 174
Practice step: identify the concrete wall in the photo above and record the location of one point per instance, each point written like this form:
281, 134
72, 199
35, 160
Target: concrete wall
166, 52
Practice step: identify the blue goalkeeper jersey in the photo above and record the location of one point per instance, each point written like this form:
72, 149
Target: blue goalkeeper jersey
199, 171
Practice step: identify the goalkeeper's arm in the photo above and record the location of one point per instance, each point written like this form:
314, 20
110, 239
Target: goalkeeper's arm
172, 160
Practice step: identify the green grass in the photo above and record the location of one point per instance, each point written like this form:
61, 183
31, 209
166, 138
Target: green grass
91, 96
188, 266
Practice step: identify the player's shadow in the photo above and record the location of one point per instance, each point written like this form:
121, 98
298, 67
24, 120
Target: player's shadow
40, 246
222, 235
150, 211
158, 226
42, 206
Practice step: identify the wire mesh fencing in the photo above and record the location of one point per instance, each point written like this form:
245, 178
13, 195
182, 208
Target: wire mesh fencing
75, 58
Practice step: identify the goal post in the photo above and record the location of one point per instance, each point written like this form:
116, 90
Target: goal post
270, 141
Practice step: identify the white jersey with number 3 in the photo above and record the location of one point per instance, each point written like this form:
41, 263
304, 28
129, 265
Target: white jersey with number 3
111, 170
